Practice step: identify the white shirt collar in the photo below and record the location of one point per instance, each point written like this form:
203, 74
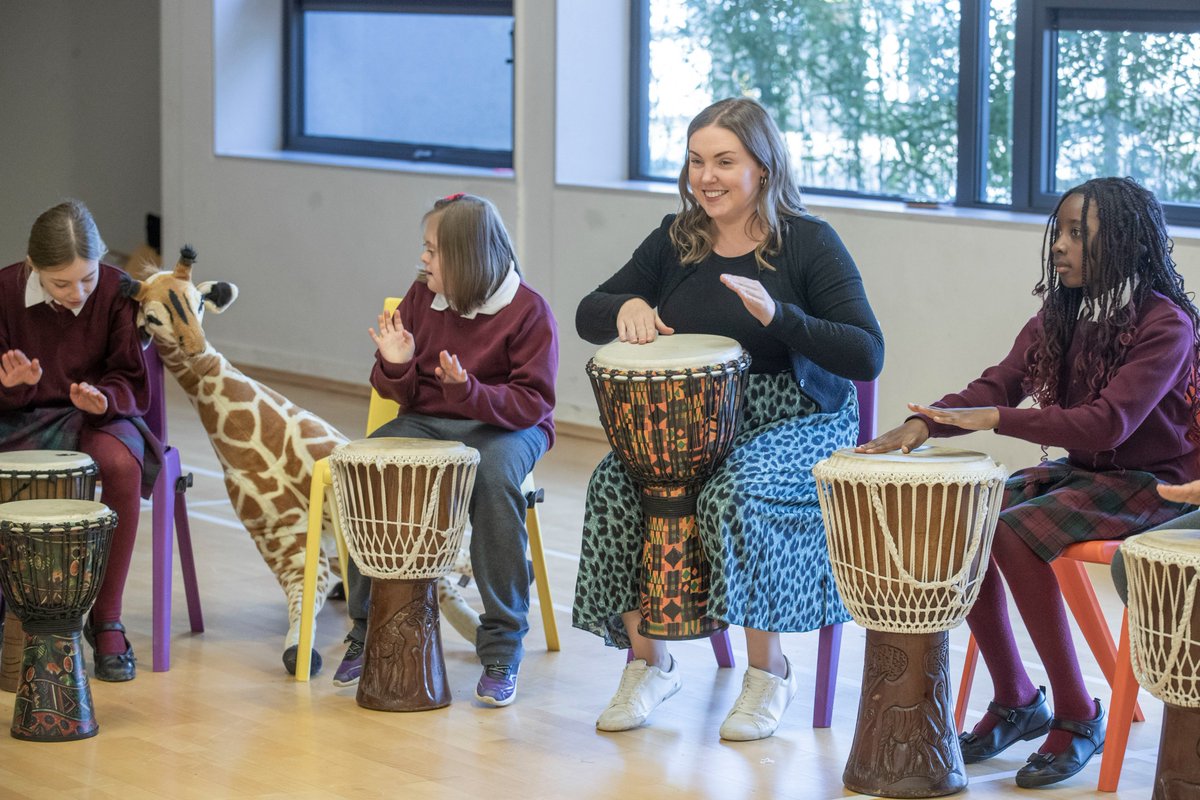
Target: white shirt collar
35, 293
1121, 297
496, 301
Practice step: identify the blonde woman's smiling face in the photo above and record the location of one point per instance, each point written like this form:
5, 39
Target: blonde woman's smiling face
724, 178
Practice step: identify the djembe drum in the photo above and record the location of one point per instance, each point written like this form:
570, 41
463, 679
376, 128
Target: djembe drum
52, 559
1163, 568
402, 507
671, 409
37, 475
909, 539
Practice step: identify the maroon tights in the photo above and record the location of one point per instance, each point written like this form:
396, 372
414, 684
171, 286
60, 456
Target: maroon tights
1037, 596
121, 478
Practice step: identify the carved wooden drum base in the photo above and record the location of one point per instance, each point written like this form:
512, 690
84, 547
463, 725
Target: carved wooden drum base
54, 698
905, 744
403, 667
1178, 774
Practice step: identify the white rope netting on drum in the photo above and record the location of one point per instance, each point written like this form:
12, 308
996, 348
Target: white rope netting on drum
403, 514
1164, 620
909, 551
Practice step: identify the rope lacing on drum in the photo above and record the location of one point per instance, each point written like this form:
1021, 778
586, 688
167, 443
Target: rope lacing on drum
1163, 679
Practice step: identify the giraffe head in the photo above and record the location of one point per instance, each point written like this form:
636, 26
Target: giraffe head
172, 307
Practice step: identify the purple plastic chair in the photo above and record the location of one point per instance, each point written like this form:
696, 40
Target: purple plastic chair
169, 505
829, 643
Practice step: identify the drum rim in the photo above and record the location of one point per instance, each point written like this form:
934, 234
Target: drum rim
374, 450
84, 511
723, 350
19, 463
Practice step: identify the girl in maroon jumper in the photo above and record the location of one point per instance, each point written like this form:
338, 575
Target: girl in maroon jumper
1110, 361
471, 355
72, 378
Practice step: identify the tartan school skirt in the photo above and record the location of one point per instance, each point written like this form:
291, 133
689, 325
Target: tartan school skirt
1055, 504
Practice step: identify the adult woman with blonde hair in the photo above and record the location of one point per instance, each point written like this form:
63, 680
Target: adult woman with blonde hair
780, 282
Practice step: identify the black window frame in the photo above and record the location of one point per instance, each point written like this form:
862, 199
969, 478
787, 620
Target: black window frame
1034, 87
294, 137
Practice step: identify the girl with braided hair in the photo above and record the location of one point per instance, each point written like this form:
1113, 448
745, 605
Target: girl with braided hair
1111, 364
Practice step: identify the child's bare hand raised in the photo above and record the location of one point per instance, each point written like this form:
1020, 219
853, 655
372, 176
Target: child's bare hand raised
88, 398
450, 370
395, 344
984, 418
17, 369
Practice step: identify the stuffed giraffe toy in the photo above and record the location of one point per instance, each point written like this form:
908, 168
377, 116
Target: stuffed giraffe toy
266, 444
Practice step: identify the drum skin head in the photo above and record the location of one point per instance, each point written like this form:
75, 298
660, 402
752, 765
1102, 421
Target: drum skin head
42, 460
367, 449
53, 512
678, 351
1182, 541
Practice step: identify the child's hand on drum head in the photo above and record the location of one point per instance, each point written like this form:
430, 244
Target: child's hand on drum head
88, 398
16, 368
450, 371
638, 323
1184, 493
907, 437
984, 418
754, 297
395, 344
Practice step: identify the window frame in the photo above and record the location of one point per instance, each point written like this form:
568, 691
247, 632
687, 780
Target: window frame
1034, 84
294, 137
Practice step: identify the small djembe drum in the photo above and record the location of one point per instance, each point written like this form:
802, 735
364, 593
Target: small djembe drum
909, 539
402, 508
671, 409
52, 559
1164, 645
37, 475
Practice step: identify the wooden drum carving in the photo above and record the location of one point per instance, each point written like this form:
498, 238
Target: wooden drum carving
909, 538
1164, 646
402, 508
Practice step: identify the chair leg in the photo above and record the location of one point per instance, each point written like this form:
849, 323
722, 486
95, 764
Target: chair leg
964, 684
187, 563
722, 649
829, 650
540, 576
1081, 599
163, 557
1120, 714
312, 565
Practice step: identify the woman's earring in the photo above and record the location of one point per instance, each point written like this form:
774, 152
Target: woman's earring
762, 181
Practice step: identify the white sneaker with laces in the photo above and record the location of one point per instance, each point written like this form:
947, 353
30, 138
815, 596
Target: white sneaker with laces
642, 689
760, 706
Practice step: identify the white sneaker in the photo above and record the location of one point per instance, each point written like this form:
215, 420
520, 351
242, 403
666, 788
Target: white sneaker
642, 689
760, 706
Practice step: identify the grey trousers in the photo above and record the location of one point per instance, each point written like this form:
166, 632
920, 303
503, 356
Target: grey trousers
498, 535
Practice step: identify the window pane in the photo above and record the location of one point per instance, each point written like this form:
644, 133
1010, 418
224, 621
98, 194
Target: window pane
442, 79
1001, 40
1127, 104
866, 93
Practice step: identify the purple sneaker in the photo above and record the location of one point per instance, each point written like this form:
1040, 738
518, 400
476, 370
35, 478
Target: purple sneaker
497, 685
350, 670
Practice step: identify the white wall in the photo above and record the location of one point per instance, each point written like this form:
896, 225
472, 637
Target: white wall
314, 247
79, 91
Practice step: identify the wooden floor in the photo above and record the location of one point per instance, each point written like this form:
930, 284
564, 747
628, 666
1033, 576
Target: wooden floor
227, 721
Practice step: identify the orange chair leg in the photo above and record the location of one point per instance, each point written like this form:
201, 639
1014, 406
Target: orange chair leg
964, 685
1120, 715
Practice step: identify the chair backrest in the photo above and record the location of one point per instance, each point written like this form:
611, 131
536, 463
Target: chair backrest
866, 410
381, 410
156, 415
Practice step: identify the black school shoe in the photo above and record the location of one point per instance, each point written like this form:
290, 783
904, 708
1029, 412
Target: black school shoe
116, 667
1016, 724
1044, 769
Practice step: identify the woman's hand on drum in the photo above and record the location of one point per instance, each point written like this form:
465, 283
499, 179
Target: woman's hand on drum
1183, 493
754, 297
17, 369
909, 436
88, 398
450, 370
395, 344
638, 323
984, 418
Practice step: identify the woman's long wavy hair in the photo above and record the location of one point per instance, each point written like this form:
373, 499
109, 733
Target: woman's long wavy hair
778, 195
1126, 258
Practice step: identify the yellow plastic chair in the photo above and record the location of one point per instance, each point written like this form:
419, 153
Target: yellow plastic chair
379, 412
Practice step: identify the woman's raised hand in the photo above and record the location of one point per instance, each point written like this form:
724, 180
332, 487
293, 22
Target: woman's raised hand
638, 323
450, 370
17, 369
395, 344
1183, 493
909, 436
754, 297
88, 398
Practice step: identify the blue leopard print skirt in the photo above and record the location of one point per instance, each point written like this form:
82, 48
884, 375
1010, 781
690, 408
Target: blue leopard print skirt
758, 516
